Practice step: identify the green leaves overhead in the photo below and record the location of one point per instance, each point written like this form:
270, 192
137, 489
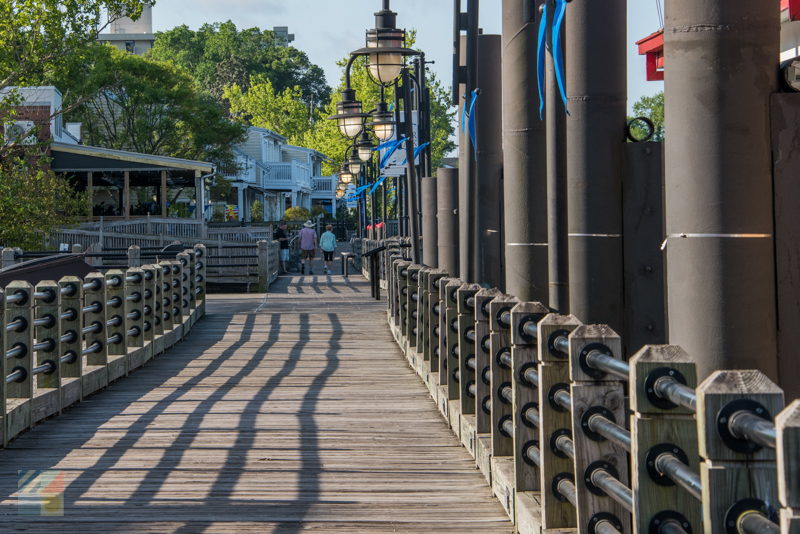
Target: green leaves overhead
262, 106
37, 35
133, 103
220, 55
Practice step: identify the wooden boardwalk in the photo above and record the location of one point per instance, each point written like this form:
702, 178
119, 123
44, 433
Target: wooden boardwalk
287, 414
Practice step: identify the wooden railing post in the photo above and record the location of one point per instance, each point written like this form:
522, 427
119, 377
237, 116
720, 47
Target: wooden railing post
134, 314
787, 424
411, 300
167, 317
48, 382
442, 347
447, 341
658, 426
149, 315
191, 284
96, 376
502, 408
467, 364
402, 302
19, 392
177, 299
184, 303
201, 270
736, 474
116, 337
434, 310
596, 393
263, 266
451, 333
554, 421
483, 361
71, 366
134, 256
483, 381
524, 356
465, 307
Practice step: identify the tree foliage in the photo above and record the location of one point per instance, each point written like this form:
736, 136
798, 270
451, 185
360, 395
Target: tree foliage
220, 55
651, 107
33, 200
297, 213
262, 106
135, 103
37, 35
261, 103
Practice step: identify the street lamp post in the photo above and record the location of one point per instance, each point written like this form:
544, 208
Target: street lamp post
386, 56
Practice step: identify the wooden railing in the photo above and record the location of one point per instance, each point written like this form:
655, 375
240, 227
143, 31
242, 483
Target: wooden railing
65, 340
255, 266
571, 435
158, 231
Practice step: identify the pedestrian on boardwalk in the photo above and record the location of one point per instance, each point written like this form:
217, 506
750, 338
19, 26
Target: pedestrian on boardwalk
308, 246
282, 237
328, 245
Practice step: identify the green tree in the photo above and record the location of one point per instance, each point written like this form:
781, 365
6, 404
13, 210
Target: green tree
297, 213
220, 56
33, 200
36, 36
129, 102
261, 106
651, 107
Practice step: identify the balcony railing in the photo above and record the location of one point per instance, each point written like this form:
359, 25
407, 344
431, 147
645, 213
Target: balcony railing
324, 184
290, 175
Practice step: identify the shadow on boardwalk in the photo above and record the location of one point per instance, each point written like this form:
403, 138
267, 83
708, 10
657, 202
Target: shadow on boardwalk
282, 414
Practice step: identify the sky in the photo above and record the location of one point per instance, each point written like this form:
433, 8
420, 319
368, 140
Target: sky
327, 30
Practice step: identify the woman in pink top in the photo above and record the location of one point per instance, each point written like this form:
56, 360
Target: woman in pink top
308, 246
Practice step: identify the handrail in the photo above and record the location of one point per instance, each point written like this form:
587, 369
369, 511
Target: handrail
552, 393
59, 333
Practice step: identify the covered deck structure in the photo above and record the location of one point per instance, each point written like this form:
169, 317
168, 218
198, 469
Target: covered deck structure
125, 184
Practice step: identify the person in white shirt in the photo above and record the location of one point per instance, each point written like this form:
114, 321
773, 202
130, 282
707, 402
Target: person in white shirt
328, 245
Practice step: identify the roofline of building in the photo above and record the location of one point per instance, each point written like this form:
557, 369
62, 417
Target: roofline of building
122, 155
268, 131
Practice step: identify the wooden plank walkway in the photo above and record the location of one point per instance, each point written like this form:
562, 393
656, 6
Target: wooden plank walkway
287, 414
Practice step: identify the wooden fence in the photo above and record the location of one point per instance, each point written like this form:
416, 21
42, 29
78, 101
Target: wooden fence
228, 262
63, 341
572, 435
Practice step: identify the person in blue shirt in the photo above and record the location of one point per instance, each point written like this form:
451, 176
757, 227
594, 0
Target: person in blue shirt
328, 245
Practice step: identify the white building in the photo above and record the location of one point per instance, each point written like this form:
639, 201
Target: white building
132, 36
278, 175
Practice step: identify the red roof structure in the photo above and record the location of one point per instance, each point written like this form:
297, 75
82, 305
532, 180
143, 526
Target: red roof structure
652, 46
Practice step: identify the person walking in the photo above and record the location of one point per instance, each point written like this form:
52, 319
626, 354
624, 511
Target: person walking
308, 246
282, 237
328, 245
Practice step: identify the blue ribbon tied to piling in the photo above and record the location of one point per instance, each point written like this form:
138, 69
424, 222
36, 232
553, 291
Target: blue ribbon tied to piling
391, 147
558, 58
468, 119
417, 151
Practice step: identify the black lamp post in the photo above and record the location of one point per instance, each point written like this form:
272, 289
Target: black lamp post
386, 58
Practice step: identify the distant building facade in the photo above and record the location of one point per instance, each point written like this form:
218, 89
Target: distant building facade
119, 184
278, 176
132, 36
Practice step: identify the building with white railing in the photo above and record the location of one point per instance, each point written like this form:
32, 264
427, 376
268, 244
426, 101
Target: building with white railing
277, 175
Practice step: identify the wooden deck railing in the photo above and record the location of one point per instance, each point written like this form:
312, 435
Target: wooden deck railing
572, 435
62, 341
